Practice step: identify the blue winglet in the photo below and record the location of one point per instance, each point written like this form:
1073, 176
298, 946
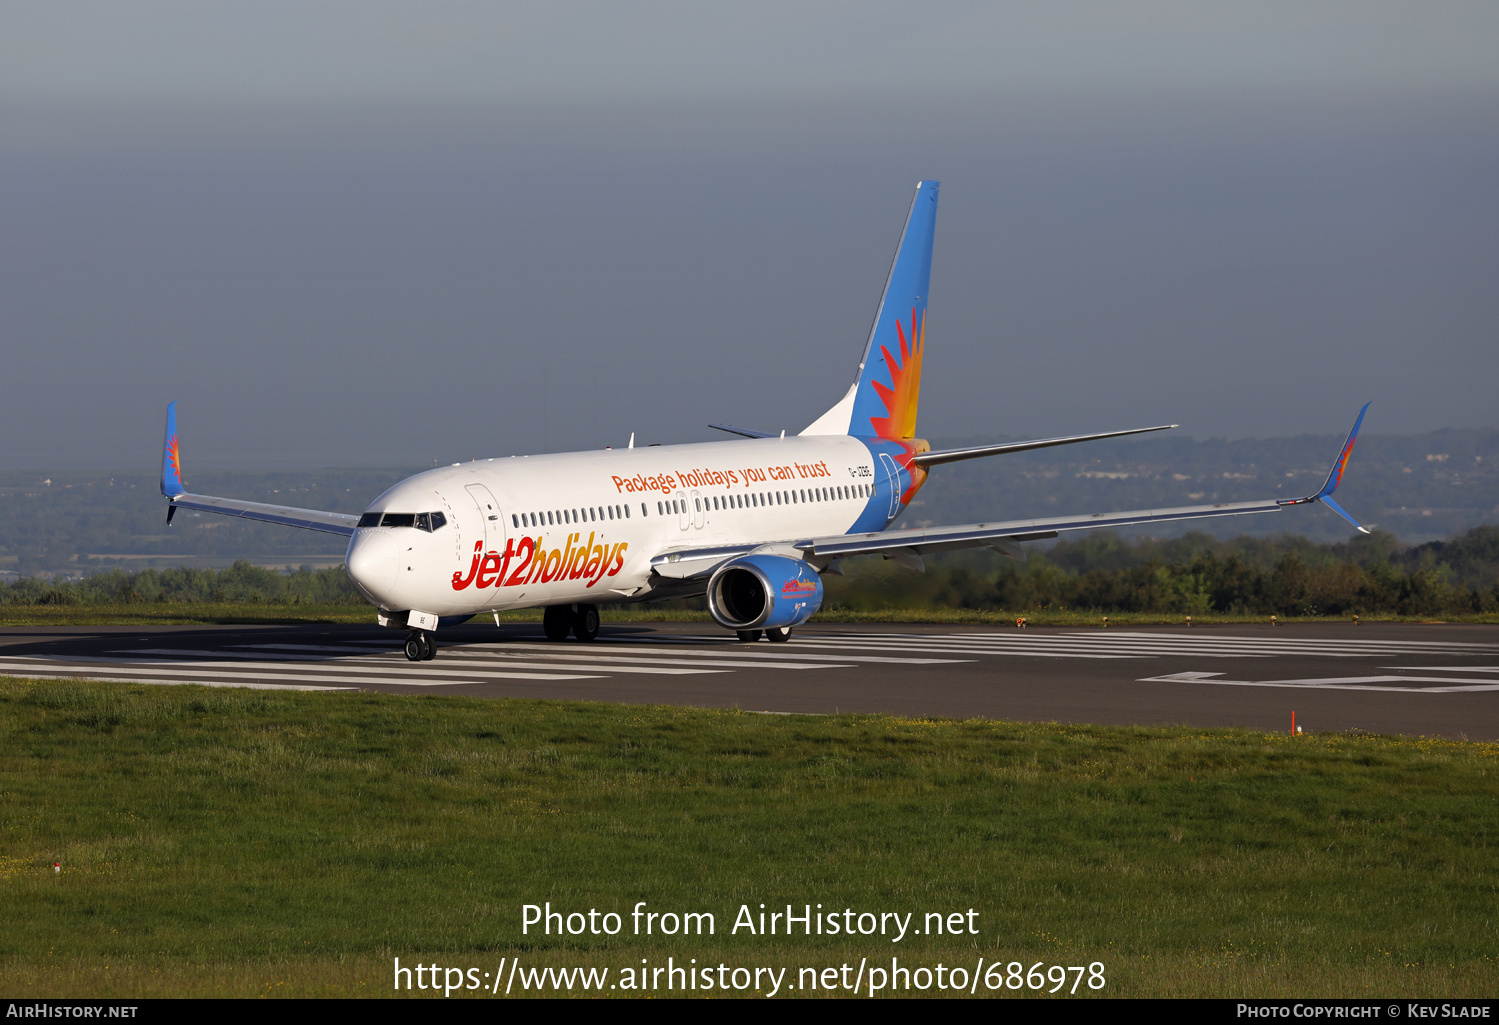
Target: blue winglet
1335, 477
171, 457
1335, 507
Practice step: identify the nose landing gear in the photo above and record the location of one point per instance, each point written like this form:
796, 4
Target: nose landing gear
420, 647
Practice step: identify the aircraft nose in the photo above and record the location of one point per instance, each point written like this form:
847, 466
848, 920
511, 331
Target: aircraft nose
371, 563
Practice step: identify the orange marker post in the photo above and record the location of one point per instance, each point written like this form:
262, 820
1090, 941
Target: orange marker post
1293, 724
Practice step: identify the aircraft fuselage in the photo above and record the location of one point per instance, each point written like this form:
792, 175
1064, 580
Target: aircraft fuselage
583, 527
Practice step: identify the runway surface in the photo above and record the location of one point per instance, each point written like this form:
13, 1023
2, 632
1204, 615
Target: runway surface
1383, 678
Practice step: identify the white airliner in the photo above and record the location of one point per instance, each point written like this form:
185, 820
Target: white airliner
751, 522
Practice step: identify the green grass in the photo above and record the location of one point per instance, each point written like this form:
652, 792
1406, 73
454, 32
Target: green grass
186, 613
237, 842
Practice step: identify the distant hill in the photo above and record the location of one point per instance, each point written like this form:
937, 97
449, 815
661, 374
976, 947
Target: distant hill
1418, 487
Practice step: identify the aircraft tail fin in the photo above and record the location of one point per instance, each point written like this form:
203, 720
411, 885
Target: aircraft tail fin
882, 402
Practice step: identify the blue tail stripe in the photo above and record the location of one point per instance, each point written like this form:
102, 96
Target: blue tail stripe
904, 302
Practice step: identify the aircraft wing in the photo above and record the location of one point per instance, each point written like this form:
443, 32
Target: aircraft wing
907, 545
181, 498
311, 519
1003, 536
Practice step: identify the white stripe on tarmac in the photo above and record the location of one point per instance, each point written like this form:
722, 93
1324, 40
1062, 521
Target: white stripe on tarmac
325, 670
603, 654
725, 650
37, 674
1345, 642
400, 665
1068, 652
226, 679
1338, 683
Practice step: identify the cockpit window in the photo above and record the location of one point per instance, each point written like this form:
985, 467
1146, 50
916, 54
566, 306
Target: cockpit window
427, 521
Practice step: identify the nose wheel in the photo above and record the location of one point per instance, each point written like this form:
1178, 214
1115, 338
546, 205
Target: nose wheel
420, 647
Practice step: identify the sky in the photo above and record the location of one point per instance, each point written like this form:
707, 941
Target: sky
400, 234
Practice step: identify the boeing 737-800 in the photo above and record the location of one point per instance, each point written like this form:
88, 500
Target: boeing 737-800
752, 523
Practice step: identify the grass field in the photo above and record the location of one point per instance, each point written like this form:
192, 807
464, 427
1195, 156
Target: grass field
168, 614
235, 842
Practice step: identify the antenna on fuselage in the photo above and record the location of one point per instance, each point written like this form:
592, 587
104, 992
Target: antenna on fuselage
632, 439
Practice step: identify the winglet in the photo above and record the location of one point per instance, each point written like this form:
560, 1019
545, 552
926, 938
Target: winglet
171, 458
1335, 476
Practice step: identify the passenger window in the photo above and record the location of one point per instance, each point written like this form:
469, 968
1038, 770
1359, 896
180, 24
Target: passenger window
369, 520
514, 520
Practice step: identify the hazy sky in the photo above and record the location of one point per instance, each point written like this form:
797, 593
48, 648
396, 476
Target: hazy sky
383, 233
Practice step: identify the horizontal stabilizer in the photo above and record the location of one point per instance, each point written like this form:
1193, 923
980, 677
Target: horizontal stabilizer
744, 432
953, 455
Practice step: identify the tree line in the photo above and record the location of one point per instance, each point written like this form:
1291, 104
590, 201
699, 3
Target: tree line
1287, 576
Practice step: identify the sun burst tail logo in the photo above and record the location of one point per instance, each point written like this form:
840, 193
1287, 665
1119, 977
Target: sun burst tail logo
174, 459
1343, 462
899, 423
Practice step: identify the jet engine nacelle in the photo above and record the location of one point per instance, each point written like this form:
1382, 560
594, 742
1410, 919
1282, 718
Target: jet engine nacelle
755, 592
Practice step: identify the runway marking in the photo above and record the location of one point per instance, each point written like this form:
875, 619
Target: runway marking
1338, 683
333, 671
728, 649
399, 664
37, 674
497, 652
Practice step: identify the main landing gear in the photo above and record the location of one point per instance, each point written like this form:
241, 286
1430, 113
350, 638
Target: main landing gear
420, 647
776, 635
582, 621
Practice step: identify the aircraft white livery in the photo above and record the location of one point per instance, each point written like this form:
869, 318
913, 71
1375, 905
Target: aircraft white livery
752, 523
